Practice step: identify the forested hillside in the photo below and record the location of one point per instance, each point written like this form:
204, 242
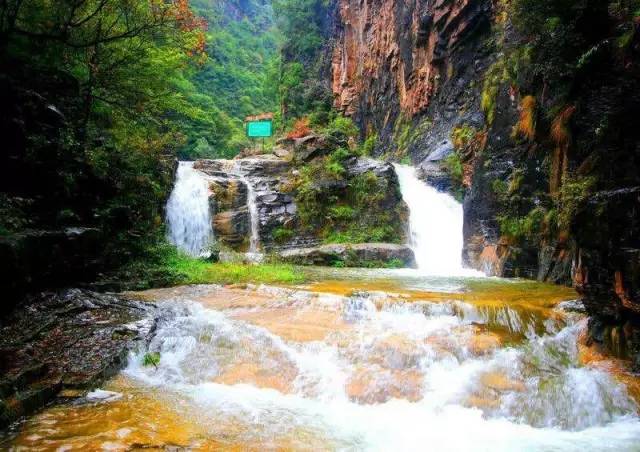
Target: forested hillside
238, 77
99, 98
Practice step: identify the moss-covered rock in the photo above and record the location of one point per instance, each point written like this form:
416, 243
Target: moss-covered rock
352, 255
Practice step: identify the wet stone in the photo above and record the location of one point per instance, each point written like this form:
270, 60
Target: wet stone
70, 339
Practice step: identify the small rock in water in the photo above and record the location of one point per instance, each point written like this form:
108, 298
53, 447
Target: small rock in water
100, 395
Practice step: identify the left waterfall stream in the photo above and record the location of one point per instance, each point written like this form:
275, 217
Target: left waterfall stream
188, 213
359, 360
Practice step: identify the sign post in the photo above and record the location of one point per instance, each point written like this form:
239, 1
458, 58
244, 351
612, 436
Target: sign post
259, 126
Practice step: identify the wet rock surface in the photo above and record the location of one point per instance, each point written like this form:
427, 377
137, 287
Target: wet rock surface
356, 255
228, 200
73, 339
273, 181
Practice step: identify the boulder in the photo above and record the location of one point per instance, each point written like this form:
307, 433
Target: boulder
74, 339
352, 255
231, 227
227, 194
283, 153
312, 146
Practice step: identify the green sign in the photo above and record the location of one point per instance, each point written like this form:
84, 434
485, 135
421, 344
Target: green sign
259, 129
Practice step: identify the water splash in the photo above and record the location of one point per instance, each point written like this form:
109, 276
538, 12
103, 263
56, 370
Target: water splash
435, 223
418, 357
188, 216
388, 375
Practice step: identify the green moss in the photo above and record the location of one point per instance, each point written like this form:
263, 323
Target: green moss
527, 227
494, 77
282, 234
574, 191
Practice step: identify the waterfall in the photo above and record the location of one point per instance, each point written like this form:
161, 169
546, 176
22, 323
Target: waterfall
435, 224
188, 215
252, 207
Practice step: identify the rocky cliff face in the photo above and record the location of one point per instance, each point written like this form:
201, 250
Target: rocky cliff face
394, 59
534, 133
229, 198
308, 192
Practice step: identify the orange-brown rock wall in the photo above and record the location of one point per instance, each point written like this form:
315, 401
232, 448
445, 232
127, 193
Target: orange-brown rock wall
391, 56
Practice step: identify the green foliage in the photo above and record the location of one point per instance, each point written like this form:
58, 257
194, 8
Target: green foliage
300, 22
527, 227
463, 135
395, 263
342, 126
282, 234
341, 213
301, 90
495, 76
402, 134
355, 214
238, 78
455, 168
369, 145
151, 359
334, 164
163, 265
500, 188
107, 66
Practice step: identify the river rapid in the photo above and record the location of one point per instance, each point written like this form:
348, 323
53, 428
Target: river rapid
357, 360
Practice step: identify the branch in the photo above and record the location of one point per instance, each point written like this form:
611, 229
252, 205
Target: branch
81, 22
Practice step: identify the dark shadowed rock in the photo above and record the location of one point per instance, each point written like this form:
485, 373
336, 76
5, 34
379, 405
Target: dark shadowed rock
71, 339
34, 259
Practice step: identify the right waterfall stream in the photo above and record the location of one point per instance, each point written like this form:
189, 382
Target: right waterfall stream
435, 226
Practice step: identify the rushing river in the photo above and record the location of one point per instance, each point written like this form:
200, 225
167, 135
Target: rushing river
358, 360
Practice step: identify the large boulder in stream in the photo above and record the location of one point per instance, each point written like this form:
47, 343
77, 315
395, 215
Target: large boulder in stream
357, 255
71, 340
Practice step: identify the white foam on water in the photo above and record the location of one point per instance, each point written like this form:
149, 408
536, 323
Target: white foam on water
560, 405
188, 217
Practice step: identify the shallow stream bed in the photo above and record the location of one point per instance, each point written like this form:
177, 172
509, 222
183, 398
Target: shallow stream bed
357, 360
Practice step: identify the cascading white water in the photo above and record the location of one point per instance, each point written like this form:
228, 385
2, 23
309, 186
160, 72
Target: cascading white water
254, 216
435, 223
274, 368
555, 404
188, 215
